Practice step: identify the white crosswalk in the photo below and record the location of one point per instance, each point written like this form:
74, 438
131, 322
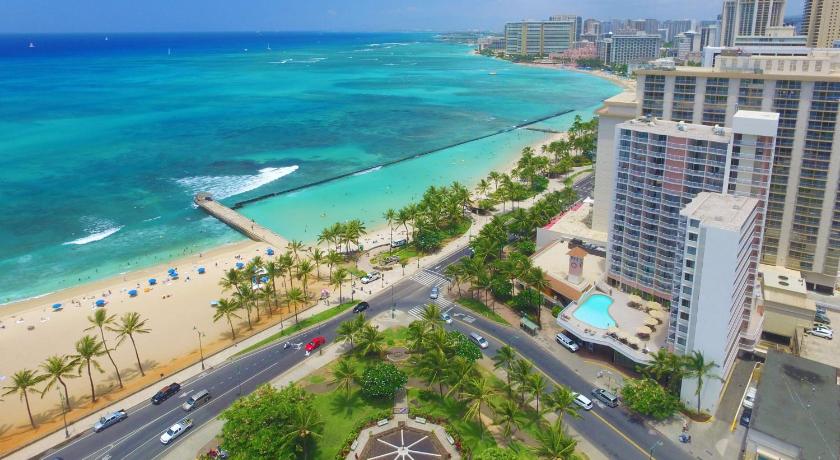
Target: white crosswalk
417, 311
428, 278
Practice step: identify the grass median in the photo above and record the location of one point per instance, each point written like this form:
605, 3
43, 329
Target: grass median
301, 325
483, 310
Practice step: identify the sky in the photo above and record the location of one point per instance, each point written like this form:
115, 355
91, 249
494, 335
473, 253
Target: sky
47, 16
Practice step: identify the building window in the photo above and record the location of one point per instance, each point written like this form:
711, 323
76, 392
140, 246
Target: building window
692, 237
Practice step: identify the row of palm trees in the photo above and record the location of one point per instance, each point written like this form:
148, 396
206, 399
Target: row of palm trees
343, 234
89, 349
670, 369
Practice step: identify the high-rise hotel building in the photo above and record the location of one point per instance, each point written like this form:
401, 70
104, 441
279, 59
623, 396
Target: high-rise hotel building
802, 223
540, 38
749, 17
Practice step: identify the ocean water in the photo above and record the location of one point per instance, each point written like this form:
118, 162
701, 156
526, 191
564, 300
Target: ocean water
103, 142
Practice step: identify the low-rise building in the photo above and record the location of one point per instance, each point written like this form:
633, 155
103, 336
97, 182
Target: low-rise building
787, 308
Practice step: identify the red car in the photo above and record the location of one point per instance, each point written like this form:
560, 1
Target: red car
316, 342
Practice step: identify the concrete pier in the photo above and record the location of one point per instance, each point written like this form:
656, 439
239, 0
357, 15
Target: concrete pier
239, 222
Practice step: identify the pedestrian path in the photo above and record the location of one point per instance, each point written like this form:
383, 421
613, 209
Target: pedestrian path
429, 278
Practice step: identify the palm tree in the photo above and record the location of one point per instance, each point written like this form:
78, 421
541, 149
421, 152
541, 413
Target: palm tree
295, 246
131, 323
495, 177
339, 277
333, 259
431, 316
304, 271
347, 330
232, 279
295, 297
272, 271
666, 368
245, 300
88, 348
22, 382
554, 443
508, 416
300, 432
390, 216
562, 401
521, 371
56, 369
483, 187
696, 367
432, 366
459, 373
477, 394
344, 375
504, 359
371, 341
287, 264
416, 336
318, 256
100, 320
536, 278
537, 385
227, 309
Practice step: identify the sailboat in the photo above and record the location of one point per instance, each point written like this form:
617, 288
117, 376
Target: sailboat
31, 45
169, 51
106, 38
268, 48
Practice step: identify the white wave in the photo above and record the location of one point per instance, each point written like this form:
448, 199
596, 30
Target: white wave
227, 186
389, 64
100, 235
151, 219
368, 171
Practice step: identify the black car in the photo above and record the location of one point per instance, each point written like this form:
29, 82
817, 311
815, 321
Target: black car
745, 417
360, 307
165, 393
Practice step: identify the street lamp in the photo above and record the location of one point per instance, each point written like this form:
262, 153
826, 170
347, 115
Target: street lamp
63, 412
652, 448
200, 348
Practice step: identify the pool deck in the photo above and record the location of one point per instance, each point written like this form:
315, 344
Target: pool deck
627, 319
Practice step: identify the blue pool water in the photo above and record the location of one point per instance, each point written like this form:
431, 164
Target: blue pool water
595, 311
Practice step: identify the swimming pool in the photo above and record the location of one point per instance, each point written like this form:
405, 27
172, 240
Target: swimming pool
595, 311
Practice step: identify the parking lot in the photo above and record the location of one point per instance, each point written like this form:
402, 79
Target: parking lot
823, 350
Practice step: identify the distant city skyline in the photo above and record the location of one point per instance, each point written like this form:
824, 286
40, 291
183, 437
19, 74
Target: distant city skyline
45, 16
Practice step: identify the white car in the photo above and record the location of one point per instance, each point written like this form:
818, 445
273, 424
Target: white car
583, 401
176, 430
371, 277
749, 398
435, 293
821, 332
446, 318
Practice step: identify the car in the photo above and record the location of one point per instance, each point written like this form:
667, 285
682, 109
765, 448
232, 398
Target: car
176, 430
479, 340
822, 318
822, 327
371, 277
195, 400
749, 398
605, 396
446, 317
435, 293
360, 307
582, 401
399, 243
110, 419
165, 393
822, 309
316, 343
567, 342
824, 333
746, 416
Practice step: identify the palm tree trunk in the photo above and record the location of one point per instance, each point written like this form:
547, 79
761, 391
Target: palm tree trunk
92, 389
248, 314
232, 332
66, 394
296, 312
136, 355
28, 410
108, 351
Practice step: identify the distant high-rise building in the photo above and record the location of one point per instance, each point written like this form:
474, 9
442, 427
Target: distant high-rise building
663, 34
651, 26
539, 38
638, 25
710, 36
821, 22
577, 20
749, 17
678, 26
592, 27
688, 44
606, 27
629, 49
775, 36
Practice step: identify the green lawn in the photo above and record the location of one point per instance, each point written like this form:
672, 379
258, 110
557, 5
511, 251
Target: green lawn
483, 310
341, 414
474, 436
303, 324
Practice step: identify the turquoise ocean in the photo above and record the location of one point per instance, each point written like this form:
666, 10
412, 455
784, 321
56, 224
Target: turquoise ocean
105, 139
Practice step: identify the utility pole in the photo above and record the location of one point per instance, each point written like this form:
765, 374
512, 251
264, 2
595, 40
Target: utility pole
200, 348
63, 411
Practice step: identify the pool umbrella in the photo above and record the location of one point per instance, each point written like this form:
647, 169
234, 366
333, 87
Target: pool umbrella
658, 314
152, 281
100, 303
643, 330
654, 305
132, 293
201, 270
633, 341
651, 321
634, 299
613, 330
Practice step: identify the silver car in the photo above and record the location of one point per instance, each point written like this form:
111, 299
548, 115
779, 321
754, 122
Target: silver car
435, 293
110, 419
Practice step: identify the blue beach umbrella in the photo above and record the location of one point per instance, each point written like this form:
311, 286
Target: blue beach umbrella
240, 265
269, 251
152, 281
56, 306
264, 279
100, 303
132, 293
201, 270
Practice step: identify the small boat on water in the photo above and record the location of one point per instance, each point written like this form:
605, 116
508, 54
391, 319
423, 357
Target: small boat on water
31, 45
268, 48
492, 73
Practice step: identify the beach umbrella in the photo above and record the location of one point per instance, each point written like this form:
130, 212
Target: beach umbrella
152, 281
201, 270
132, 293
214, 303
644, 330
240, 265
264, 279
100, 303
269, 251
56, 305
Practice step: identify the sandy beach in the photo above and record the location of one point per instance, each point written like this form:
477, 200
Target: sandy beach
173, 308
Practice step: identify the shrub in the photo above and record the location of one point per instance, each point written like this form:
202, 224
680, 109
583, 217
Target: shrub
496, 453
463, 346
382, 380
647, 397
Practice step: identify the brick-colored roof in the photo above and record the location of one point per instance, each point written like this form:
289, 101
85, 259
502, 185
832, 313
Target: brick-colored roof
578, 251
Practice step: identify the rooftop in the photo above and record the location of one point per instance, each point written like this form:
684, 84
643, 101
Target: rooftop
678, 129
786, 287
572, 224
797, 403
554, 260
720, 211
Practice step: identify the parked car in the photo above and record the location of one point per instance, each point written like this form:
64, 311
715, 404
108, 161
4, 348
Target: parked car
446, 317
110, 419
195, 400
582, 401
749, 398
360, 307
821, 309
821, 332
746, 416
479, 340
315, 343
822, 318
371, 277
567, 342
435, 293
606, 397
176, 430
165, 393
